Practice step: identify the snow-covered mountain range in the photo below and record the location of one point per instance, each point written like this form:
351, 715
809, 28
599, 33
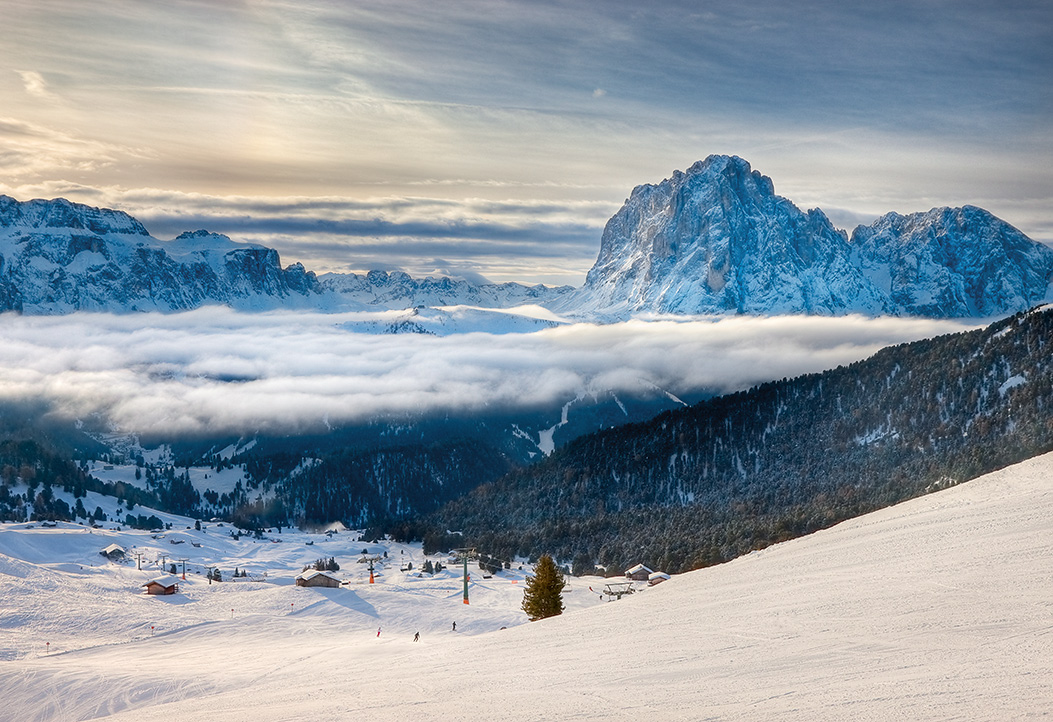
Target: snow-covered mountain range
716, 239
57, 257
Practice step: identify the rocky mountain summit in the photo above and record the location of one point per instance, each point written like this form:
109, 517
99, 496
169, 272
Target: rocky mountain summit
716, 240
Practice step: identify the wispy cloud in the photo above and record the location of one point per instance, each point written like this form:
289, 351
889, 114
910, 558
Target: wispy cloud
216, 370
35, 84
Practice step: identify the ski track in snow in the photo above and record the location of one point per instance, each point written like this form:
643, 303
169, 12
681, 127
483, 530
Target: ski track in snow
939, 608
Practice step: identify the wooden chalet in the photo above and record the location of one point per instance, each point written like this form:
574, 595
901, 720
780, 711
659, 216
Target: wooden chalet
639, 573
114, 552
162, 585
315, 578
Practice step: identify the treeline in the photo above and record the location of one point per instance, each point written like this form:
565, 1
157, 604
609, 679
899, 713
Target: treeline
705, 484
364, 486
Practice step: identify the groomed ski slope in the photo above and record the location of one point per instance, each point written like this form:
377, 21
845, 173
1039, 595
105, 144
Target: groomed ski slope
937, 609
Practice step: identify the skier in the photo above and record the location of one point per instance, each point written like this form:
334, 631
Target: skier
455, 626
378, 631
416, 637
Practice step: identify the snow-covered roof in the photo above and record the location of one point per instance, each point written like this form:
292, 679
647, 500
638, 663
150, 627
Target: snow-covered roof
658, 575
314, 573
166, 581
638, 568
112, 548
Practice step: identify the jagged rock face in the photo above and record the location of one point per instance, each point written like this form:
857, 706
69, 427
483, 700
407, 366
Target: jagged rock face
58, 257
953, 263
717, 239
61, 213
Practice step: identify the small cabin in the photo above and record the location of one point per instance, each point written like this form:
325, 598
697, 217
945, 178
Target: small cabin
162, 585
657, 578
114, 553
315, 578
639, 573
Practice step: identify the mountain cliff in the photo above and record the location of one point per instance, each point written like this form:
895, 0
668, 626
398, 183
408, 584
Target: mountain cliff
953, 263
58, 257
716, 239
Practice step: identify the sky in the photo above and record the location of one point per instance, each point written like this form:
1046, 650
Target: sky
496, 137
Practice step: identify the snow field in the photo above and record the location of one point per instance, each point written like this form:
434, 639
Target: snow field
939, 608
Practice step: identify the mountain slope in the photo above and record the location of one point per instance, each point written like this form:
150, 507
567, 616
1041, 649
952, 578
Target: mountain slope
704, 484
716, 239
934, 609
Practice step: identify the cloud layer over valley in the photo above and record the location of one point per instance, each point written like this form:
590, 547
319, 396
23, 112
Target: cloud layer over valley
215, 370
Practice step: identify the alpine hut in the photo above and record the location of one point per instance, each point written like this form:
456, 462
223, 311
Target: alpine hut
114, 552
639, 573
316, 578
162, 585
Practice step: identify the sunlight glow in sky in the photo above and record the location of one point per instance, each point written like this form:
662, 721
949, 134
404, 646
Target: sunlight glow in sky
497, 137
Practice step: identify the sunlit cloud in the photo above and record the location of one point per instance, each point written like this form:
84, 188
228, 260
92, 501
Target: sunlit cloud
215, 370
35, 84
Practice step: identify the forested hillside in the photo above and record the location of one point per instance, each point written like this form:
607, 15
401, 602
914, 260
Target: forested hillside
701, 485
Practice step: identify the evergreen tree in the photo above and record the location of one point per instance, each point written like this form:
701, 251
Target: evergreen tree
543, 596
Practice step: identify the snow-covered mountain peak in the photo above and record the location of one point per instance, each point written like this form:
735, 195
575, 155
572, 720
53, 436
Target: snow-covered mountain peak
716, 239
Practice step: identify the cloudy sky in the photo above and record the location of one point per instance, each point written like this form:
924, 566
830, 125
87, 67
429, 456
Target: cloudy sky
495, 137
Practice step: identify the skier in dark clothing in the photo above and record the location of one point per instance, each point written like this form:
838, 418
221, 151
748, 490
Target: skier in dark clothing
416, 637
455, 626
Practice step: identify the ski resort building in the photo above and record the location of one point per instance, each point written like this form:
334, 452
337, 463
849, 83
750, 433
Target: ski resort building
162, 585
114, 552
639, 573
657, 578
315, 578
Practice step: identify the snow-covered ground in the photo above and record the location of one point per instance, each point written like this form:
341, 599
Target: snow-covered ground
939, 608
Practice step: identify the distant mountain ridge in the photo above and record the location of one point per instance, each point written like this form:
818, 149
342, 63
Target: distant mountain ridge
59, 257
716, 239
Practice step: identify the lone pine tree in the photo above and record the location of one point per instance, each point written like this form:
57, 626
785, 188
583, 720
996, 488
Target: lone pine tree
543, 596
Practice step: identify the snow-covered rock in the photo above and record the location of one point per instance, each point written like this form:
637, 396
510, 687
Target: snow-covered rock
57, 257
716, 239
952, 263
398, 290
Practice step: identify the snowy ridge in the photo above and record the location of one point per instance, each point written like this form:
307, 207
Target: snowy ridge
58, 257
877, 618
716, 239
712, 240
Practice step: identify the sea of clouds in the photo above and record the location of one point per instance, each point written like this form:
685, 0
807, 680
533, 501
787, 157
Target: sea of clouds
215, 370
